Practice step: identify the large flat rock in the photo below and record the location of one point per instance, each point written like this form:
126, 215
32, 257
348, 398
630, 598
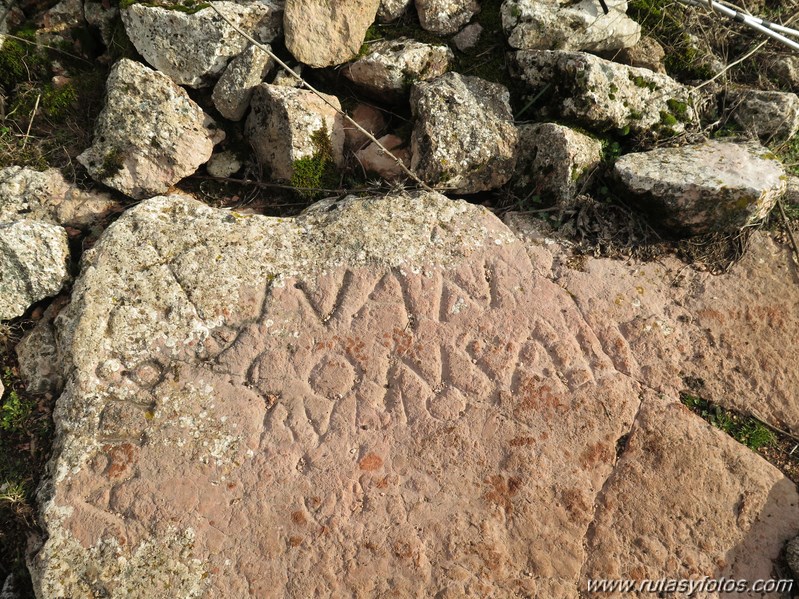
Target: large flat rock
730, 338
383, 395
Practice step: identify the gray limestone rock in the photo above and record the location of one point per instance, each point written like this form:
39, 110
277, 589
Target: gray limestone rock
772, 116
390, 67
391, 10
34, 257
149, 135
233, 91
555, 162
463, 135
606, 95
194, 48
567, 25
287, 124
445, 17
26, 193
712, 186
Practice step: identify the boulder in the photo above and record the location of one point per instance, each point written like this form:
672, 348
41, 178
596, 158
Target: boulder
445, 17
374, 160
322, 34
555, 162
34, 262
278, 406
57, 23
463, 135
566, 25
149, 135
391, 10
390, 67
26, 193
287, 124
772, 116
605, 95
11, 17
233, 91
700, 188
193, 48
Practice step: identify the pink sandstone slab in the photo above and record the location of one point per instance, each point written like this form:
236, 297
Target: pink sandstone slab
381, 397
731, 338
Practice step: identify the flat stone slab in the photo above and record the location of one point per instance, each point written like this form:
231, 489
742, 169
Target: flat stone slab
280, 407
730, 338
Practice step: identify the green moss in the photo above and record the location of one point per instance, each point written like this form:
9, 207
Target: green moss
643, 82
317, 171
57, 102
744, 429
663, 20
113, 162
678, 109
667, 119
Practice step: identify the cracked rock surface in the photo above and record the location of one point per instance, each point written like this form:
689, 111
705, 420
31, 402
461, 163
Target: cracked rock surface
259, 405
149, 135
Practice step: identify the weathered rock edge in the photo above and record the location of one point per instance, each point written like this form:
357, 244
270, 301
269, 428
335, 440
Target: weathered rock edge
173, 277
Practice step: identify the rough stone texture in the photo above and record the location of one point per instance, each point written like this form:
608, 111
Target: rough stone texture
445, 17
792, 556
26, 193
785, 68
374, 160
772, 116
646, 54
391, 10
11, 16
40, 364
368, 117
321, 33
791, 196
565, 25
284, 123
726, 337
604, 94
463, 136
468, 37
102, 17
283, 77
56, 24
33, 264
390, 67
261, 405
712, 186
555, 161
149, 135
223, 164
709, 510
233, 91
193, 49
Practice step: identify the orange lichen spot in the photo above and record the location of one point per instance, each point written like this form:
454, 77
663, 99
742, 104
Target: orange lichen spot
295, 541
597, 453
299, 518
522, 441
120, 459
370, 462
